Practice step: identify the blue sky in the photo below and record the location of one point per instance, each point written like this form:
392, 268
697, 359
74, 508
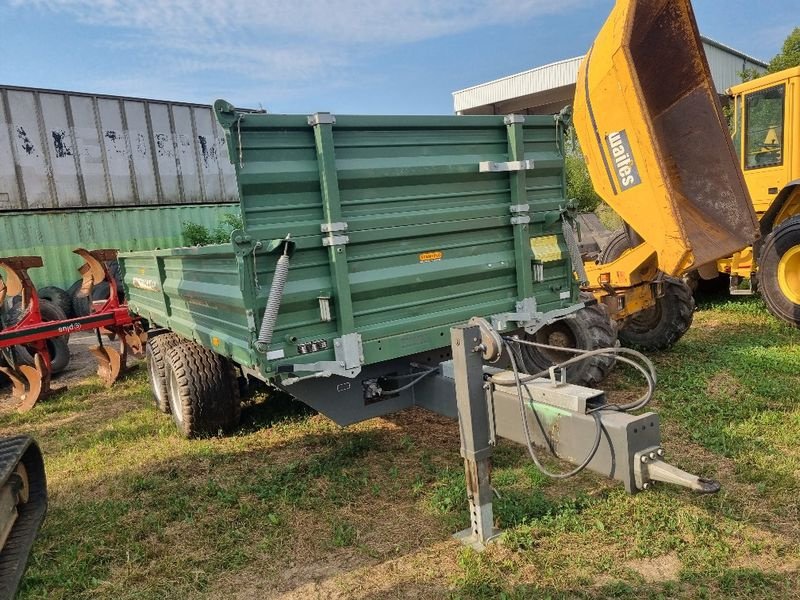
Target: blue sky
356, 56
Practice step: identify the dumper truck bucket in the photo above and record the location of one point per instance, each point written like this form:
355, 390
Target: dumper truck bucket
650, 124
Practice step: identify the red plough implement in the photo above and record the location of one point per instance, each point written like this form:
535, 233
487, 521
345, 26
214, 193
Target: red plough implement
32, 382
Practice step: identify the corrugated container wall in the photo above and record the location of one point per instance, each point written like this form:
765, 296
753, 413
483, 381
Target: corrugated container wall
62, 150
53, 235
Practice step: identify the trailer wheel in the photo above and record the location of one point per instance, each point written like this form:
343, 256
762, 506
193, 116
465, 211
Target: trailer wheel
779, 271
588, 329
156, 358
203, 391
662, 325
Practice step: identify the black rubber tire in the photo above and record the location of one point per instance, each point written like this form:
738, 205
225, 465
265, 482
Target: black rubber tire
783, 238
116, 272
588, 329
692, 280
203, 391
58, 347
57, 296
616, 245
73, 289
662, 325
156, 359
80, 302
48, 310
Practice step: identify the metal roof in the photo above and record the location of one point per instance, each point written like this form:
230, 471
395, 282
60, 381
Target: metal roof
550, 87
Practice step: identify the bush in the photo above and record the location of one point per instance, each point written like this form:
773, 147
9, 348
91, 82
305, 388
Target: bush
195, 234
579, 184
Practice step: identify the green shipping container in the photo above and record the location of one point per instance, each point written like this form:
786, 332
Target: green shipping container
53, 235
400, 228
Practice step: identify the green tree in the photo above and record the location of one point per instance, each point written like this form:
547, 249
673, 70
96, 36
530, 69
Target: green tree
789, 56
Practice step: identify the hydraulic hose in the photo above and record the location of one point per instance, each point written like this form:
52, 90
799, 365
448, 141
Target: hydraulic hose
511, 345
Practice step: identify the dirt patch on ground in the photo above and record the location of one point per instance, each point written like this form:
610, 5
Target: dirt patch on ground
723, 385
662, 568
350, 574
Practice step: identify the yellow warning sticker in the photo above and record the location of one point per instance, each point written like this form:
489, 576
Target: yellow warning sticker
431, 256
546, 248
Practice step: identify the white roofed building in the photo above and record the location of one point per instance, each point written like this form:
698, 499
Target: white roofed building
548, 89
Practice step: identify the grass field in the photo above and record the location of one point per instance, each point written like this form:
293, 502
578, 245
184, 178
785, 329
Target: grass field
293, 506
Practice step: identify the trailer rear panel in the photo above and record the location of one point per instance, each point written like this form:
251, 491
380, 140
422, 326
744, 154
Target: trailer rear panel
399, 233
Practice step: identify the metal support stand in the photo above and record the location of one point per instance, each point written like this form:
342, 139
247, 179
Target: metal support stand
476, 446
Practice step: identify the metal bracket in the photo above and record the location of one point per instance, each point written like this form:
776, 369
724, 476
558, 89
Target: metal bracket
528, 317
349, 352
331, 239
489, 166
514, 119
519, 214
335, 240
321, 118
331, 227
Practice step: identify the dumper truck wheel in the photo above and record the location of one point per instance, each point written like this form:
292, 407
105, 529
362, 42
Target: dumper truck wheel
616, 245
156, 358
203, 391
588, 329
661, 326
779, 271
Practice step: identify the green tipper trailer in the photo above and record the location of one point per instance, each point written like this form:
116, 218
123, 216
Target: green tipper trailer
395, 230
382, 264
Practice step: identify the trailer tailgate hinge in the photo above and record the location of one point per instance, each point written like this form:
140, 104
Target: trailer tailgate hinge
331, 229
519, 214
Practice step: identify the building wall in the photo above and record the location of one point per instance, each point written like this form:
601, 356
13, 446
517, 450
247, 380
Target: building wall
726, 67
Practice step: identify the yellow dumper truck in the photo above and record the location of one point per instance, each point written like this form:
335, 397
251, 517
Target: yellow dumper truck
766, 139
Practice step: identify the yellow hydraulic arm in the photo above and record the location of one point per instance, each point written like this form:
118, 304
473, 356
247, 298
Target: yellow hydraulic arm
657, 147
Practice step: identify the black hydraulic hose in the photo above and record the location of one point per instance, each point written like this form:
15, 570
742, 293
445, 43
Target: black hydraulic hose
529, 443
410, 384
647, 371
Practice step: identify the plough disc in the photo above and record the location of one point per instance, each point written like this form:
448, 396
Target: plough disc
29, 383
110, 363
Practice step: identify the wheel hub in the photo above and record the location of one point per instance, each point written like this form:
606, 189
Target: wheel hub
789, 274
154, 386
174, 399
559, 338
